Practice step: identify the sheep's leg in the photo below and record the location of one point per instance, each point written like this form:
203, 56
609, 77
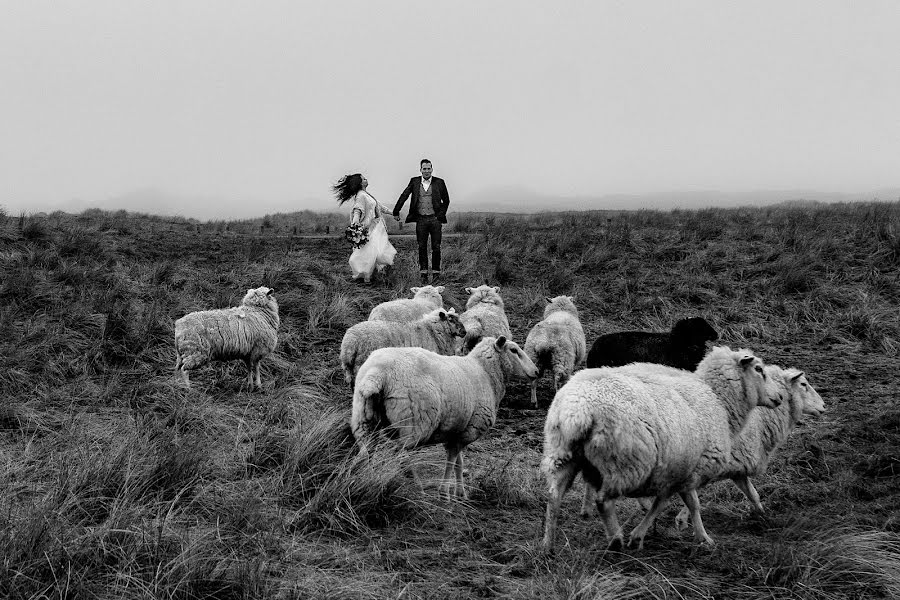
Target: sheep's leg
587, 501
534, 393
746, 486
452, 456
256, 372
560, 480
682, 518
460, 484
181, 373
249, 365
639, 532
607, 508
693, 503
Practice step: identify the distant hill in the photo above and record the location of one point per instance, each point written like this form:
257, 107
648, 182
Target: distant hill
506, 199
516, 199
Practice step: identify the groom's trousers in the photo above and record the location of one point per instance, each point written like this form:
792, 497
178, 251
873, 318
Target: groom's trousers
429, 226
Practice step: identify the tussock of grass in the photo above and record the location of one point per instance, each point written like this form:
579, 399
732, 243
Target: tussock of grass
834, 562
511, 480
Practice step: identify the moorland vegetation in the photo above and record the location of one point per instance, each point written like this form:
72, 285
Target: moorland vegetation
116, 482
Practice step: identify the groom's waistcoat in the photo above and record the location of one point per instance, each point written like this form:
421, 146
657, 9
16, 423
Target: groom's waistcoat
426, 208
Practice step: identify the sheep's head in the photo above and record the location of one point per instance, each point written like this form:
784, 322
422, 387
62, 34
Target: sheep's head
803, 395
756, 382
484, 293
566, 303
457, 329
694, 331
262, 297
430, 293
448, 319
514, 360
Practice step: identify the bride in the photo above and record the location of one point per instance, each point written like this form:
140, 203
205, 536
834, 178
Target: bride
378, 252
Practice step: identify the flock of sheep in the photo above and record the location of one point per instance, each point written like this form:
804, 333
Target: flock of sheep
652, 415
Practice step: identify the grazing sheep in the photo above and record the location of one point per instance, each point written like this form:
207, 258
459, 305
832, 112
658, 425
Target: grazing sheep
425, 299
435, 331
248, 332
484, 315
557, 343
683, 347
648, 430
424, 398
765, 432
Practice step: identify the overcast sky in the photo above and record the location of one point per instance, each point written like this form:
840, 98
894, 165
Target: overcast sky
268, 103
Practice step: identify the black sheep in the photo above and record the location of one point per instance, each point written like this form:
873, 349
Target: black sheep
683, 347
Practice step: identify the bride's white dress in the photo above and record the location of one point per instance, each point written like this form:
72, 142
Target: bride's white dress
378, 251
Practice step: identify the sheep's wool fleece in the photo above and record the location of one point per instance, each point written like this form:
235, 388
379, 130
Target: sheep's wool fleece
645, 430
485, 314
425, 299
246, 331
431, 398
429, 332
560, 331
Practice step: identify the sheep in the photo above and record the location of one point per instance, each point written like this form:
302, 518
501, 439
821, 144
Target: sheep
423, 398
425, 299
648, 430
435, 331
484, 315
556, 343
683, 347
248, 332
765, 432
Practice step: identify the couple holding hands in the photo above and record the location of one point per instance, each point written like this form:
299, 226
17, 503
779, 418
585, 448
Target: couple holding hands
428, 210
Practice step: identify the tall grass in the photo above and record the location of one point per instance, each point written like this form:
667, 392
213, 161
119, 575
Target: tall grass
116, 483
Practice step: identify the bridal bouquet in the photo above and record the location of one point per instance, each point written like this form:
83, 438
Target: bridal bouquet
357, 235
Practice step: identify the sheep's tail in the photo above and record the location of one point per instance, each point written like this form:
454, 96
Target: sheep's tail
542, 356
565, 432
368, 405
349, 350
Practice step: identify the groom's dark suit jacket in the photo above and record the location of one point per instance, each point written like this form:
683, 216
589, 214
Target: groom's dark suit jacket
440, 199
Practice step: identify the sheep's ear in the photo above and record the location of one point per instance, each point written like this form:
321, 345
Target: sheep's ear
797, 376
451, 311
439, 289
469, 290
269, 293
497, 288
548, 299
501, 342
747, 359
415, 290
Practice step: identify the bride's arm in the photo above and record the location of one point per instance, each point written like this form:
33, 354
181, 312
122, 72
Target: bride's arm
385, 210
356, 212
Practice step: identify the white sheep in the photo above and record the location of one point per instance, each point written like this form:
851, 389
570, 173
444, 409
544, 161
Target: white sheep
425, 299
556, 343
248, 332
485, 315
424, 398
648, 430
766, 431
435, 331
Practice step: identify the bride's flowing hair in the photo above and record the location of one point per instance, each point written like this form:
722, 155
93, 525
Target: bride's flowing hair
347, 187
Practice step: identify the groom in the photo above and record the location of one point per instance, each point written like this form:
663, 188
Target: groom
428, 210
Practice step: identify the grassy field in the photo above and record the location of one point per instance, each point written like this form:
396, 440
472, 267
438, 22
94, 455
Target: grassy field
117, 483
